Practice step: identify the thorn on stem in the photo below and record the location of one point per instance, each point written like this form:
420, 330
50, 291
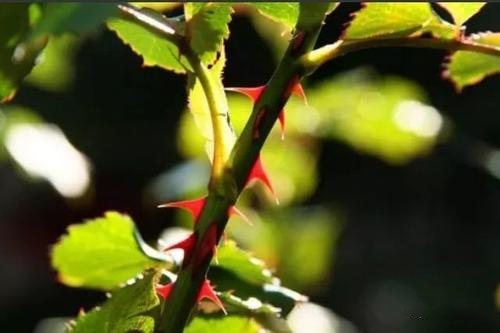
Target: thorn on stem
186, 245
233, 211
165, 290
253, 93
207, 291
258, 173
194, 206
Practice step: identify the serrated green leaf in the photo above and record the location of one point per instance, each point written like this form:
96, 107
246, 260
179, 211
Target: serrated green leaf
462, 11
17, 56
229, 324
74, 17
242, 264
467, 68
392, 19
268, 316
155, 49
191, 8
250, 306
100, 253
271, 293
207, 28
286, 13
133, 308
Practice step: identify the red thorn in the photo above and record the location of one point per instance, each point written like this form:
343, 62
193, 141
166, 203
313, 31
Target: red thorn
281, 119
206, 291
252, 92
298, 91
192, 206
258, 173
233, 211
165, 290
186, 245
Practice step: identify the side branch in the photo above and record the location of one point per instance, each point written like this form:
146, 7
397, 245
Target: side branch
223, 138
314, 59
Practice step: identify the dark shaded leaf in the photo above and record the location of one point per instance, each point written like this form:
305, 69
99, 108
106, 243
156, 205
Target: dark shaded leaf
74, 17
17, 56
134, 308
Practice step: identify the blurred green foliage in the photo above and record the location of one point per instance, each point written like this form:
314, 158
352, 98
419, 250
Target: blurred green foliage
55, 71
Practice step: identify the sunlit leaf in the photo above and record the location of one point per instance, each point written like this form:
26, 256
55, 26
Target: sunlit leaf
192, 8
462, 11
155, 49
207, 27
133, 308
286, 13
393, 19
467, 68
222, 324
17, 55
100, 253
75, 17
158, 6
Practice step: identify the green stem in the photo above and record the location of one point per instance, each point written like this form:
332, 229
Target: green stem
182, 301
223, 138
230, 169
314, 59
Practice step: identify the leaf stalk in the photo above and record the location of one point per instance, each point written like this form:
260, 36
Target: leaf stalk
314, 59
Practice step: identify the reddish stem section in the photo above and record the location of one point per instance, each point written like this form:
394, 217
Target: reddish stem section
254, 94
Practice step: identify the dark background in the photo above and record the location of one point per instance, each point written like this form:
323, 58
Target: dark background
422, 238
